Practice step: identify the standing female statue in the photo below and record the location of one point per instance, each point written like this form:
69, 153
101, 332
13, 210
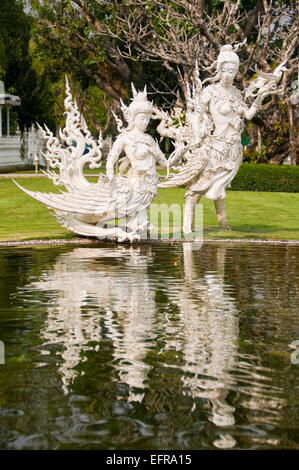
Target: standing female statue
215, 155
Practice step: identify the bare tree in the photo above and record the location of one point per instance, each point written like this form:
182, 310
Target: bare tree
179, 32
176, 34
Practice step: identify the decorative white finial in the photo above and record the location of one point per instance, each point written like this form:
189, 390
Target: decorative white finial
133, 90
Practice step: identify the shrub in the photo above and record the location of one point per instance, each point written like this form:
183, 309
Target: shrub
258, 177
15, 169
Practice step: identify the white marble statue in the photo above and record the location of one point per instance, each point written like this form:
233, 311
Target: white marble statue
85, 208
181, 127
214, 119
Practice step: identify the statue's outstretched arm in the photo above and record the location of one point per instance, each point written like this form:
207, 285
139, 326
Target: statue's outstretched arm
249, 113
159, 155
113, 156
262, 94
165, 128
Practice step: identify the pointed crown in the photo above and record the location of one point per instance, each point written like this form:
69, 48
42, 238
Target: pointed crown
139, 104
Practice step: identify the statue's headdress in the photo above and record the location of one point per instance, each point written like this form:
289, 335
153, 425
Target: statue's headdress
139, 104
227, 54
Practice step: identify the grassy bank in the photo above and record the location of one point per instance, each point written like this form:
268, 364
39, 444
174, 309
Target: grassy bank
260, 215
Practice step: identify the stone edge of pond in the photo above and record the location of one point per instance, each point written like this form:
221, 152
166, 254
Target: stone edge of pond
89, 241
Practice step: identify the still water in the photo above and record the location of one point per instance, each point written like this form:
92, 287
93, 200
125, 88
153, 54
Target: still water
151, 347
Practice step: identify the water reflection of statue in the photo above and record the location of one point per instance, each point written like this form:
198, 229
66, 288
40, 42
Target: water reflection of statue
97, 290
215, 153
107, 297
86, 282
209, 343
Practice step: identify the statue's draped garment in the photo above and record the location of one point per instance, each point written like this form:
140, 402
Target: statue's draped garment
212, 165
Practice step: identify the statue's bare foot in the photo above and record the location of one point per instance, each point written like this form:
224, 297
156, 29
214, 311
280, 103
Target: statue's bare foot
224, 225
134, 237
150, 227
131, 237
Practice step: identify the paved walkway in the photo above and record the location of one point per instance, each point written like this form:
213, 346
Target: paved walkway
32, 175
92, 241
20, 175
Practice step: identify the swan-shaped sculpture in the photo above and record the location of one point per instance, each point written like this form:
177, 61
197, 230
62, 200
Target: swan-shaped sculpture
85, 208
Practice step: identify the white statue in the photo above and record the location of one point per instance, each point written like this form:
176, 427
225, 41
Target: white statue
182, 127
214, 151
86, 207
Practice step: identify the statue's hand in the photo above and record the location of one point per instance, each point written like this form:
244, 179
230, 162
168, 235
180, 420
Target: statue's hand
177, 154
264, 91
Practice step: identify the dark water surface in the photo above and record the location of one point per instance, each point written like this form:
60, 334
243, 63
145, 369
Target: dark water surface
156, 347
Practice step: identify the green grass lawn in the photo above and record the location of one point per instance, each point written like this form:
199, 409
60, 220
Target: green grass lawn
258, 215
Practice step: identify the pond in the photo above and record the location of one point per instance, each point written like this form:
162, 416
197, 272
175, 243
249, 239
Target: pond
149, 347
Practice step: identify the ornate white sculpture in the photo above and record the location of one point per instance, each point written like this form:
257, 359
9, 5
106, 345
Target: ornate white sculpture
183, 129
208, 137
86, 207
214, 119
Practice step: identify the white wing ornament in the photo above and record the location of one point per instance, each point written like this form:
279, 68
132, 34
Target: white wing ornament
85, 208
187, 135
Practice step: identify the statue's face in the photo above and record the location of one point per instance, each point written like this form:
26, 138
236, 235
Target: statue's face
141, 121
228, 71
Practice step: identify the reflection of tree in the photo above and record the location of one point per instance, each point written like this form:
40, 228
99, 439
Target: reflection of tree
254, 272
266, 289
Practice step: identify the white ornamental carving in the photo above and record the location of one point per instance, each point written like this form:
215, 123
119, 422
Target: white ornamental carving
210, 137
207, 136
85, 208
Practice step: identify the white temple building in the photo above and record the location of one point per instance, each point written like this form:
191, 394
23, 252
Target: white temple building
10, 145
17, 149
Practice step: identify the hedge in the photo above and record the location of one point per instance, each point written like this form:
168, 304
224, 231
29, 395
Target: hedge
258, 177
16, 169
250, 177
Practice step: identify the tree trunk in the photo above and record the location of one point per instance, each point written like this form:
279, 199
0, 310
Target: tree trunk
292, 139
259, 140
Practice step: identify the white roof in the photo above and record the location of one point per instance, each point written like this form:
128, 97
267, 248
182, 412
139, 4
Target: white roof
9, 100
